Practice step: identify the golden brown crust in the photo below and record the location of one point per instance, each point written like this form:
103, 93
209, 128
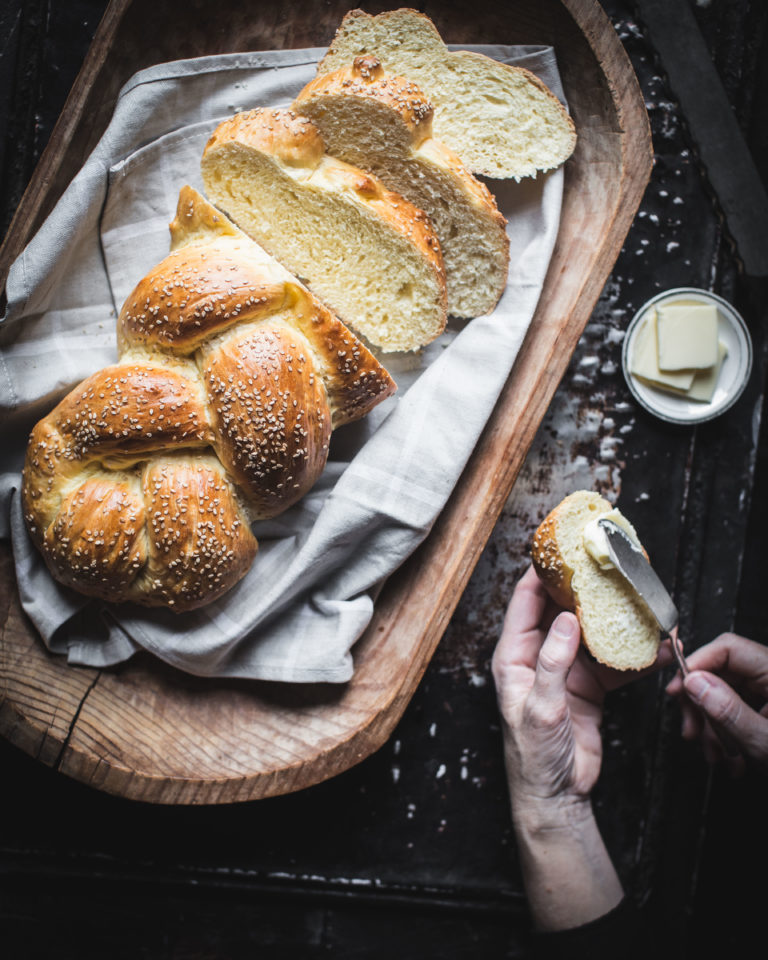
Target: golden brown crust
195, 292
122, 492
354, 379
197, 220
366, 78
97, 535
265, 377
200, 542
552, 569
175, 537
295, 140
125, 412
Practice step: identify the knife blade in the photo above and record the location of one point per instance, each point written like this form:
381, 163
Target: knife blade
632, 564
630, 561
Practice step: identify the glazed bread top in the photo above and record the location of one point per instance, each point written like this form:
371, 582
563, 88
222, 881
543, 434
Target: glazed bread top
501, 120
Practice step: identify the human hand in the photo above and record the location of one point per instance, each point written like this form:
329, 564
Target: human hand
551, 703
550, 698
728, 684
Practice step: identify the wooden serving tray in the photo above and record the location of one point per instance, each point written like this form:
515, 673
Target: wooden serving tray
148, 732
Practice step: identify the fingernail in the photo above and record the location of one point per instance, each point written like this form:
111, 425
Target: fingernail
563, 626
697, 685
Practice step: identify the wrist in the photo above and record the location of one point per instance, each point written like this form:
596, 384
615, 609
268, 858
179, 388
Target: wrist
568, 873
541, 815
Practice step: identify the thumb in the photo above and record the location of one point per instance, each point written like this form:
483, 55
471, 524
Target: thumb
556, 656
726, 709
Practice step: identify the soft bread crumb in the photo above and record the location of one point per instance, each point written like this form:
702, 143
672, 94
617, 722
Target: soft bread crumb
367, 253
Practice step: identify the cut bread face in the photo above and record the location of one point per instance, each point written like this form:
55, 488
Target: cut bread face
366, 252
617, 627
382, 123
501, 120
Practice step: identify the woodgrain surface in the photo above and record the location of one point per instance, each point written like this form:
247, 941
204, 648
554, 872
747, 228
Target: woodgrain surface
147, 732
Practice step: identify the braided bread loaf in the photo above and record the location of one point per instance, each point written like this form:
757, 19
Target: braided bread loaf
142, 483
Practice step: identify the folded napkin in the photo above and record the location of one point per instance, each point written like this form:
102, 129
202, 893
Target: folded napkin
310, 593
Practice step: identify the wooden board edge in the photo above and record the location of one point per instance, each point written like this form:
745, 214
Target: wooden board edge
24, 222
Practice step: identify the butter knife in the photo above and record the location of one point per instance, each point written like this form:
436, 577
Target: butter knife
631, 563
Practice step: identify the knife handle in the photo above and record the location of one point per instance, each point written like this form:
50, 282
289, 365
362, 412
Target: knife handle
727, 742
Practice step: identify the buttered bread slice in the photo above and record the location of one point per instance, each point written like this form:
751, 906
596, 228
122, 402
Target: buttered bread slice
617, 627
501, 120
383, 124
368, 253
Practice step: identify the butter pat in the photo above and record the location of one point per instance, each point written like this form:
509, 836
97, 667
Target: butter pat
686, 336
595, 541
705, 381
644, 360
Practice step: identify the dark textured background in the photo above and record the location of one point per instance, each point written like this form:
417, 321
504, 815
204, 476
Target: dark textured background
411, 852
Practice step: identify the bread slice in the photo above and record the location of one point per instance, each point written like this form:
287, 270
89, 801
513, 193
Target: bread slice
501, 120
617, 627
367, 253
383, 124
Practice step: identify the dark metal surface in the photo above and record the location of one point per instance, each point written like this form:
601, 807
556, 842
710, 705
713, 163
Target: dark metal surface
411, 853
730, 169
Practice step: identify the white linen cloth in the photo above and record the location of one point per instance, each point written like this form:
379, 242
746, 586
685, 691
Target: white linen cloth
310, 592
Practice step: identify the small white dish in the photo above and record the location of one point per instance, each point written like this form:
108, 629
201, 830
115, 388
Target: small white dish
733, 376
